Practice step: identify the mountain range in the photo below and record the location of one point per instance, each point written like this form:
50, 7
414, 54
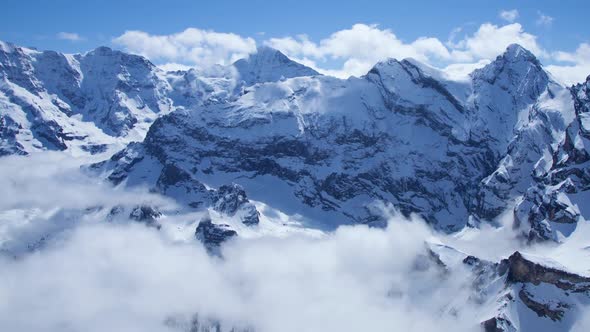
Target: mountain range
266, 136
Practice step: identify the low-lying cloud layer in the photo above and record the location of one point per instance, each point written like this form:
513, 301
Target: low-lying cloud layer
130, 278
112, 276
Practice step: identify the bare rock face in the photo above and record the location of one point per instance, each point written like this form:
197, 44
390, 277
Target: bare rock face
213, 235
521, 270
231, 200
497, 324
146, 214
552, 293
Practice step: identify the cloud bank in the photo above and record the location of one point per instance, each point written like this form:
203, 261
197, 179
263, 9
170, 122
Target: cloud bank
191, 46
130, 278
355, 50
97, 275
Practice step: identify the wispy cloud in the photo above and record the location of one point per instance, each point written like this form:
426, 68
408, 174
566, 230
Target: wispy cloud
71, 36
544, 20
509, 15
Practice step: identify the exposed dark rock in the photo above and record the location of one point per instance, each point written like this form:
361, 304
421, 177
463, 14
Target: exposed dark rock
229, 199
542, 309
496, 324
213, 235
146, 214
198, 323
95, 148
524, 271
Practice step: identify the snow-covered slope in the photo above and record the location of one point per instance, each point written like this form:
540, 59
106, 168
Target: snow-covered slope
56, 101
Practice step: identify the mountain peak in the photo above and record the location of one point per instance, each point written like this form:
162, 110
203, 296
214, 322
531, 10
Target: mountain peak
516, 52
269, 65
6, 47
267, 50
516, 63
102, 50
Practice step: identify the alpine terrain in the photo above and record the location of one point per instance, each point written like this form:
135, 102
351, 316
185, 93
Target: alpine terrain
267, 149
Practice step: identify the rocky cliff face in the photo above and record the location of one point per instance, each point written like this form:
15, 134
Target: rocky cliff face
554, 295
555, 202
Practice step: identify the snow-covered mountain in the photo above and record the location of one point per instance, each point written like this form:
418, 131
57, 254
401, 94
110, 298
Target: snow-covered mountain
89, 101
267, 146
558, 197
55, 101
452, 152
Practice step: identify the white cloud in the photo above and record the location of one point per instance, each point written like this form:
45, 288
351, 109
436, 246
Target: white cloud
509, 15
172, 66
544, 20
102, 276
193, 47
461, 71
353, 51
108, 276
359, 47
71, 36
105, 277
491, 40
576, 65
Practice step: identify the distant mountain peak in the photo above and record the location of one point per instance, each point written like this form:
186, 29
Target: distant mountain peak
102, 50
268, 65
517, 65
516, 52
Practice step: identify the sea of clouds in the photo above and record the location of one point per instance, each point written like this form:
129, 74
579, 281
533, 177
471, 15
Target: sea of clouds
83, 273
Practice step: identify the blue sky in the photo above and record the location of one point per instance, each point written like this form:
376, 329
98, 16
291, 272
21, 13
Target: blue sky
77, 26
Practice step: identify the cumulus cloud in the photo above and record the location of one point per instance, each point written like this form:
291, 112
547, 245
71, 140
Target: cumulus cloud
575, 67
490, 40
509, 15
461, 71
353, 51
172, 66
359, 47
194, 47
71, 36
54, 180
